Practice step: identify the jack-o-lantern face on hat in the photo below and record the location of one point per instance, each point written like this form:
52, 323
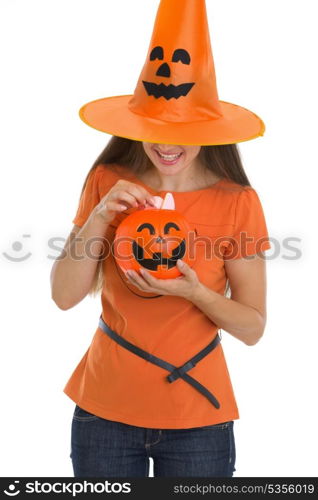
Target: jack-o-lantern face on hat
177, 82
168, 91
153, 239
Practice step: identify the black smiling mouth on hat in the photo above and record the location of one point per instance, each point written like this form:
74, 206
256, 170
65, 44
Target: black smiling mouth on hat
168, 91
158, 259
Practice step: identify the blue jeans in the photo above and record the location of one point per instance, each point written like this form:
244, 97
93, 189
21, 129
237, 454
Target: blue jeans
106, 448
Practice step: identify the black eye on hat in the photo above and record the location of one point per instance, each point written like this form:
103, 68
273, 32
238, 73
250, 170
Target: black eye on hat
181, 55
156, 53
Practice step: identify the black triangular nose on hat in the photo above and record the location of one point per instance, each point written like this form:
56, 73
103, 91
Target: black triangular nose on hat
164, 70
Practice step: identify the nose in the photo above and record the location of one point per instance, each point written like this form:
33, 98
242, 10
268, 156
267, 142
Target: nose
159, 239
164, 70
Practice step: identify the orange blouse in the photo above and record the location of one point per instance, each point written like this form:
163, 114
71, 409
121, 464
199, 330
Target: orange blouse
116, 384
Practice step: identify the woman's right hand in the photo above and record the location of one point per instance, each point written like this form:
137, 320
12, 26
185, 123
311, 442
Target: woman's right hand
124, 194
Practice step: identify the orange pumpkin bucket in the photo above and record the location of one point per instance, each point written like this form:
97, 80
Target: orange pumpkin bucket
153, 239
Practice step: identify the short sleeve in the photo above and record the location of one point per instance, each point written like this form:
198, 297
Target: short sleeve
250, 234
89, 198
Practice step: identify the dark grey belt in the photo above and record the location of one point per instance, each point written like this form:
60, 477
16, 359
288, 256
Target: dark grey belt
175, 372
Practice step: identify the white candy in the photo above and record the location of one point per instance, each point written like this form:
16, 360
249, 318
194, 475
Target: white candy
168, 202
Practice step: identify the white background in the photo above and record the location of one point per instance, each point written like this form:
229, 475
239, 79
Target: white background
56, 56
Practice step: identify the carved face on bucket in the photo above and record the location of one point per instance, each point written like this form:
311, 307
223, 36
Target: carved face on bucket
165, 70
159, 258
153, 239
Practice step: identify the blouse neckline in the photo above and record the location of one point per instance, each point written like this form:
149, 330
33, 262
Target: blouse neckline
153, 191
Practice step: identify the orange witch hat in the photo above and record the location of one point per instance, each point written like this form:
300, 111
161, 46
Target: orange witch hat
176, 99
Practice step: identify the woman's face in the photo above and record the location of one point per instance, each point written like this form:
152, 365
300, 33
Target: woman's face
168, 159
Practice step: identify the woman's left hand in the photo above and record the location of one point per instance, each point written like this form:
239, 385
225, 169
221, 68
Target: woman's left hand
183, 286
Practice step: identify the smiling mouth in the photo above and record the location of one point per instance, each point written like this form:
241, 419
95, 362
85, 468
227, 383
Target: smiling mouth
158, 259
168, 158
167, 91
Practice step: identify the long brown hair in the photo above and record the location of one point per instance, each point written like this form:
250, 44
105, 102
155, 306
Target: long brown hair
222, 160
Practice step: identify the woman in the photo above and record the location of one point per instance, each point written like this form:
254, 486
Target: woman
172, 135
122, 418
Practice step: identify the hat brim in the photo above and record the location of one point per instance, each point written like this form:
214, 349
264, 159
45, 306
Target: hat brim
112, 116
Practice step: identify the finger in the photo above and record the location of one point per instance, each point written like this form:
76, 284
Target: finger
137, 280
150, 279
104, 209
123, 195
135, 277
140, 193
114, 205
160, 285
183, 266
